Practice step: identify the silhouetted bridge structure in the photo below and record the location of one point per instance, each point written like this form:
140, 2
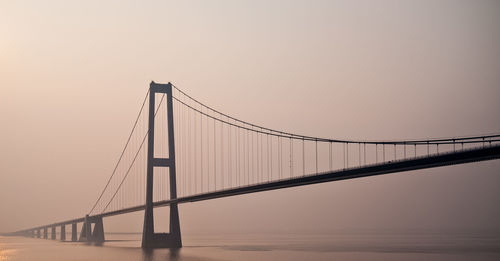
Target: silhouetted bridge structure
214, 155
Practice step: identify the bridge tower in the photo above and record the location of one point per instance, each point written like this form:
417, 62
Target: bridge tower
150, 239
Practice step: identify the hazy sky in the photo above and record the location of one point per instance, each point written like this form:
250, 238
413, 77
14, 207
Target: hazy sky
73, 75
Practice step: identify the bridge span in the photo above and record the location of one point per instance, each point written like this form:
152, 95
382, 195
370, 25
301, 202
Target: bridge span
221, 156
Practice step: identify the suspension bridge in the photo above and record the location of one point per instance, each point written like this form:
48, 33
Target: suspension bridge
180, 150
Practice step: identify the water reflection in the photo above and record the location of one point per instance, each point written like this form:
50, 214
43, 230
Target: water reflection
160, 254
374, 246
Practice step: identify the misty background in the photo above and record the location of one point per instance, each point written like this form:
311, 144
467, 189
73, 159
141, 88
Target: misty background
73, 76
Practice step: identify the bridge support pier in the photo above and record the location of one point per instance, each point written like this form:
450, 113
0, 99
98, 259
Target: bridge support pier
38, 233
163, 240
85, 235
74, 236
45, 236
63, 232
53, 234
97, 235
150, 239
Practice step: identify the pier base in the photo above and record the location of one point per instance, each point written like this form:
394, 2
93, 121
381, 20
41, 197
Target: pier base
96, 236
163, 240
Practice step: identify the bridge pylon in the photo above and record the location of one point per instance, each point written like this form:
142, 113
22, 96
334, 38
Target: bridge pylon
150, 239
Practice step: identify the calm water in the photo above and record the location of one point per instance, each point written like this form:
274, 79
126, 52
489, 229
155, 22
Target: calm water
339, 246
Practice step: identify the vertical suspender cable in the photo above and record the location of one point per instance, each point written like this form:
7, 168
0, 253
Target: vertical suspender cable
291, 157
188, 176
333, 157
261, 162
303, 158
347, 154
330, 155
215, 159
271, 153
201, 148
267, 154
278, 158
184, 151
237, 133
316, 156
229, 156
383, 152
364, 153
252, 165
222, 154
208, 153
343, 149
257, 156
359, 153
248, 157
195, 154
280, 153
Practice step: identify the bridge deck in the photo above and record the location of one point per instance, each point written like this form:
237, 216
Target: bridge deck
436, 160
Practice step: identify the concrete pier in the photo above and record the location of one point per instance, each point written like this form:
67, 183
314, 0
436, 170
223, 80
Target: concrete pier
63, 232
74, 235
95, 236
53, 233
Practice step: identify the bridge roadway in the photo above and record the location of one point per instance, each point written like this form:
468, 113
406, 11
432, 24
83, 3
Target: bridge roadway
431, 161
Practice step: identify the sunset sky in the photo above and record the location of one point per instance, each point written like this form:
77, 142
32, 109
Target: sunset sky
73, 75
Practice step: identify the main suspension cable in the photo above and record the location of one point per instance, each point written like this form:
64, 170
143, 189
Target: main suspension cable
123, 152
135, 157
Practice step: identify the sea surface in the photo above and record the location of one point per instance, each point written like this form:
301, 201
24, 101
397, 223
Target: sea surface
334, 246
